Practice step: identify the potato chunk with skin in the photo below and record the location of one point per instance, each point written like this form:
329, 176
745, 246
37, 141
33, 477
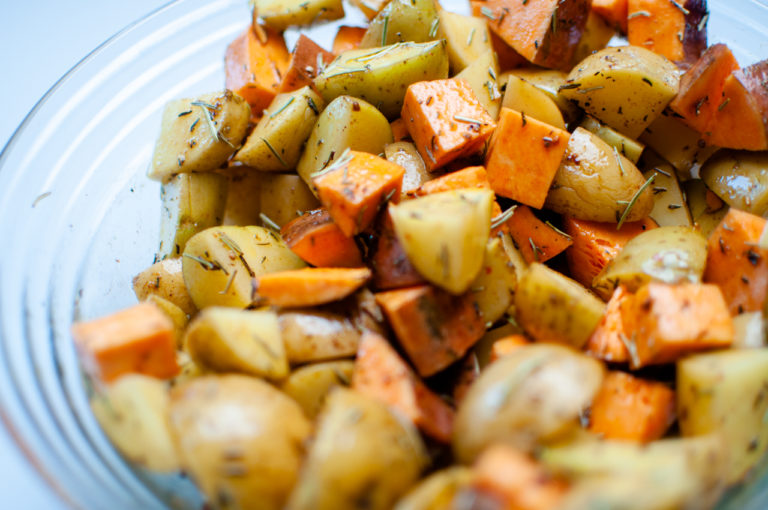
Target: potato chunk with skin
198, 135
241, 439
740, 178
529, 100
482, 77
316, 335
363, 456
281, 14
310, 385
445, 120
467, 38
164, 279
625, 87
726, 392
596, 183
401, 21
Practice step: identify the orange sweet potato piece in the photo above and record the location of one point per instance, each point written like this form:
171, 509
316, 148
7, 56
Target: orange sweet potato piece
633, 409
537, 241
446, 120
310, 286
506, 345
433, 327
507, 56
139, 339
516, 480
303, 66
701, 87
676, 30
347, 38
254, 68
382, 374
524, 157
736, 264
545, 32
741, 118
670, 321
315, 238
399, 130
595, 244
354, 187
390, 264
612, 11
607, 342
468, 374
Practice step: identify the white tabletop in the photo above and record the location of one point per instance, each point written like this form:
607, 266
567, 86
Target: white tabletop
39, 42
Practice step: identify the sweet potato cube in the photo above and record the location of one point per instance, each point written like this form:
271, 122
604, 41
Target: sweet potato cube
445, 120
546, 32
524, 157
315, 238
736, 263
354, 187
383, 375
506, 345
254, 67
676, 30
434, 328
612, 11
309, 286
390, 264
669, 321
303, 65
399, 130
701, 87
508, 57
630, 408
595, 244
608, 339
139, 339
537, 241
347, 38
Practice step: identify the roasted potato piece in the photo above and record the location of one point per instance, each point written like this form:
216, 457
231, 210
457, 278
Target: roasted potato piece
494, 287
726, 392
239, 438
363, 456
444, 235
481, 75
498, 406
666, 254
625, 87
549, 81
281, 14
740, 178
669, 205
402, 21
627, 147
133, 412
346, 123
276, 142
309, 385
530, 100
467, 38
191, 203
596, 183
233, 340
407, 156
243, 195
381, 76
596, 35
284, 197
553, 308
176, 314
316, 335
437, 491
198, 135
749, 331
220, 262
164, 279
705, 214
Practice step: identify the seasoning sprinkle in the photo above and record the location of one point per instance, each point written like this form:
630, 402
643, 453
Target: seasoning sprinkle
312, 105
633, 201
536, 249
470, 120
187, 112
286, 105
637, 14
703, 22
192, 127
207, 264
503, 217
679, 6
550, 225
230, 243
491, 72
229, 283
589, 89
470, 37
269, 222
274, 152
345, 158
488, 13
433, 27
618, 160
569, 86
724, 103
662, 172
384, 31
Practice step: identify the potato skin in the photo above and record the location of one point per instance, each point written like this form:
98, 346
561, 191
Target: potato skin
400, 21
166, 280
595, 183
239, 438
740, 179
310, 384
317, 335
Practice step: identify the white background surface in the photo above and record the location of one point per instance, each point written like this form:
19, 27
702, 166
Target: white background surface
39, 42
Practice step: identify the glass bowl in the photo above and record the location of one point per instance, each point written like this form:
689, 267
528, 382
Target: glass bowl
79, 219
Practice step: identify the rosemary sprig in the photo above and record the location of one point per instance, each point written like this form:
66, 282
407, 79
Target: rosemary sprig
274, 152
269, 222
384, 31
433, 27
550, 225
230, 243
286, 105
503, 217
208, 110
633, 200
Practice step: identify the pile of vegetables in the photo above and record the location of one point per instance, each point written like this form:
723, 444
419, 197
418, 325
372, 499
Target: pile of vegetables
417, 271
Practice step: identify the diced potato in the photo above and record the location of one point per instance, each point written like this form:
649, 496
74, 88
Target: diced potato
402, 21
482, 78
281, 14
233, 340
749, 331
596, 35
437, 491
704, 214
191, 203
740, 178
407, 156
467, 38
497, 407
666, 254
625, 87
173, 312
187, 141
444, 235
726, 392
361, 452
164, 279
596, 183
346, 123
669, 205
627, 147
549, 81
381, 76
310, 385
277, 141
553, 308
243, 205
316, 335
284, 197
219, 263
531, 101
133, 412
494, 287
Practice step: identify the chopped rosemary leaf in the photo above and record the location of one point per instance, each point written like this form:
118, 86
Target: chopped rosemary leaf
637, 14
503, 217
633, 201
550, 225
618, 160
312, 105
207, 264
229, 283
286, 105
274, 152
703, 22
384, 31
194, 124
492, 73
230, 243
187, 112
569, 86
724, 103
488, 13
433, 27
347, 71
536, 249
662, 172
268, 222
470, 120
470, 37
331, 166
589, 89
679, 6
